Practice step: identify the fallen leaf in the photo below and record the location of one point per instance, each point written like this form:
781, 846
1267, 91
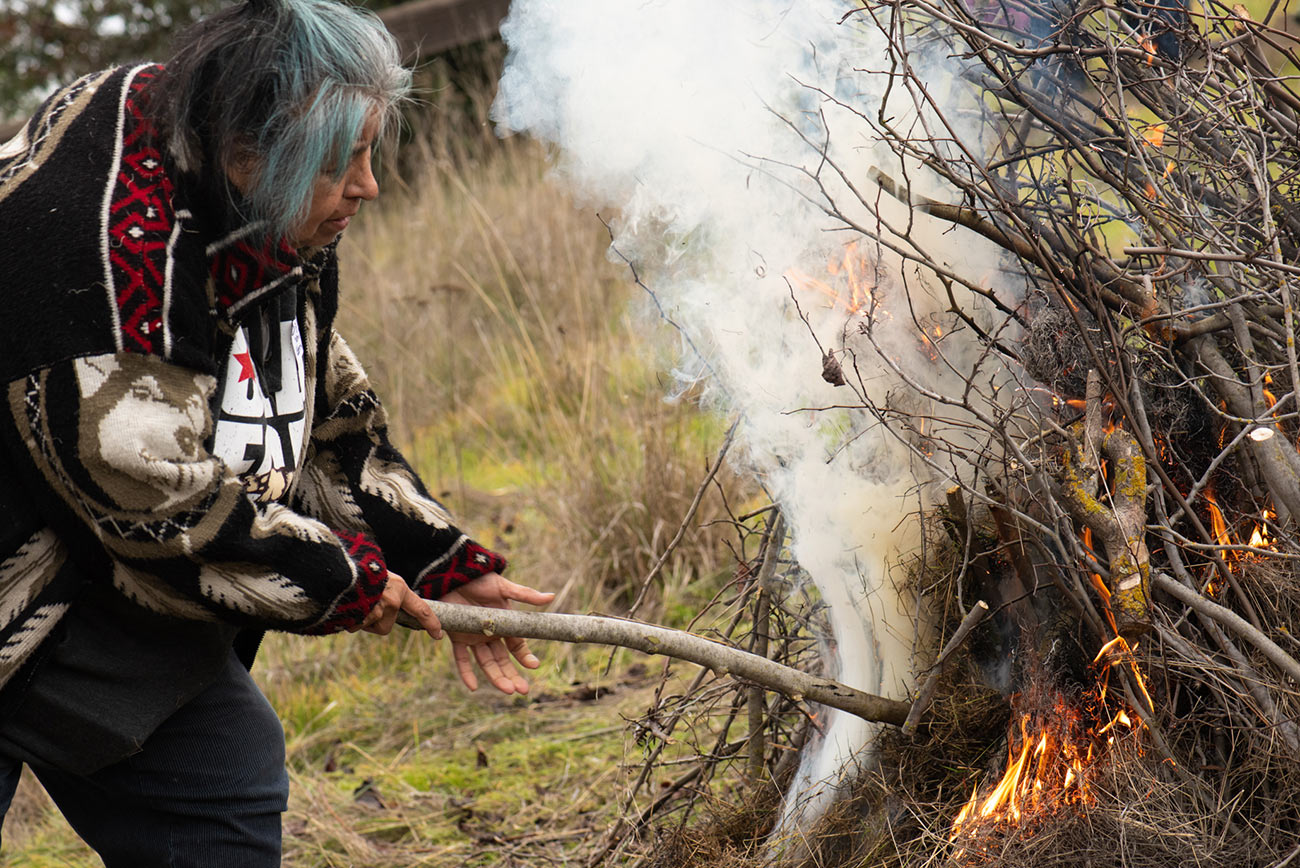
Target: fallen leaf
366, 794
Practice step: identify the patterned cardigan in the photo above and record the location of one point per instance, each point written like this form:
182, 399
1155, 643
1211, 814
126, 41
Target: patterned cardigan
125, 286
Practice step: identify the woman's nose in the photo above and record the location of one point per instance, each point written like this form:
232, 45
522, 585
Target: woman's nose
362, 183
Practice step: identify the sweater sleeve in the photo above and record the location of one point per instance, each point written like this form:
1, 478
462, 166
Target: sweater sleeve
112, 449
355, 479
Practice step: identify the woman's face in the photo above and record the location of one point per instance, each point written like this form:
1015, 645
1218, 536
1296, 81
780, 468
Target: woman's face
335, 202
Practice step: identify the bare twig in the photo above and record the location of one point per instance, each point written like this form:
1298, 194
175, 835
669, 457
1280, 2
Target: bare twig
685, 524
925, 695
1232, 621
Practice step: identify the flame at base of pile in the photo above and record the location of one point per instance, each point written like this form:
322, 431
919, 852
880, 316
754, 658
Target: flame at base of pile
1056, 747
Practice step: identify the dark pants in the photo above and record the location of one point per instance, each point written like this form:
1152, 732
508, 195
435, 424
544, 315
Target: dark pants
207, 789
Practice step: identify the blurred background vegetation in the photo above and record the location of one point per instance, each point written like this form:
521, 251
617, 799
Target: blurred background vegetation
48, 42
521, 369
52, 41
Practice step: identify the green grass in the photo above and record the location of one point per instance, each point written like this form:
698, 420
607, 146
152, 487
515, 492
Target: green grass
446, 771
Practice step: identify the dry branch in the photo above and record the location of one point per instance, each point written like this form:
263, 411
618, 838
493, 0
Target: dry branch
652, 639
1118, 520
925, 695
1232, 621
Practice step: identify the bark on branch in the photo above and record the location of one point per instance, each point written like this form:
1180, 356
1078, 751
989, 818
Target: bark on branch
1232, 621
1119, 521
652, 639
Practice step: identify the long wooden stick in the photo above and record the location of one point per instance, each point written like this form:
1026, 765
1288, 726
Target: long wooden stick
652, 639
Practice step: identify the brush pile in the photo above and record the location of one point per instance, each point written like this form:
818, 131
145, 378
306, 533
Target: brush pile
1132, 511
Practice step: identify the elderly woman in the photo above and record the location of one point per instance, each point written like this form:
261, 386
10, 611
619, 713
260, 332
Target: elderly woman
189, 452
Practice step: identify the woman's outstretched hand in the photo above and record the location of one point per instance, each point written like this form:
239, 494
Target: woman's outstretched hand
493, 652
398, 597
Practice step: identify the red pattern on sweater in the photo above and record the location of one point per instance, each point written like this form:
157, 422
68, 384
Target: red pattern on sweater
243, 267
372, 578
140, 225
463, 566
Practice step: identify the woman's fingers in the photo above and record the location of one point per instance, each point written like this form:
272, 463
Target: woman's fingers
525, 594
415, 606
388, 600
519, 648
494, 660
491, 668
396, 597
460, 651
388, 619
493, 655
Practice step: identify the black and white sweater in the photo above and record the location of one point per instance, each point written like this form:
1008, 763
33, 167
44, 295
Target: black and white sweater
140, 442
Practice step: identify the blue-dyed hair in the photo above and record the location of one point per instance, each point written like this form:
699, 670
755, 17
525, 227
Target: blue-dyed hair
281, 89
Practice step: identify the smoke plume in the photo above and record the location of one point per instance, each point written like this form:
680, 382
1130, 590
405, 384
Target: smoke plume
734, 138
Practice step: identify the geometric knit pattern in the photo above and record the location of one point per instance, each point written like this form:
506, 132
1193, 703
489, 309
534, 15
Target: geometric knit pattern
244, 272
140, 227
371, 584
461, 566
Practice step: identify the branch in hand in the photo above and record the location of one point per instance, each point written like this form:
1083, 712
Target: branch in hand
651, 639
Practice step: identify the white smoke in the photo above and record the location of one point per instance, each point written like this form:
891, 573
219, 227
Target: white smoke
702, 121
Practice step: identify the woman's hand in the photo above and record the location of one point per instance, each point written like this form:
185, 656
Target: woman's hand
398, 597
493, 652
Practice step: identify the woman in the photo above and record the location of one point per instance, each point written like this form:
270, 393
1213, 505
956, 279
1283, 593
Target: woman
189, 453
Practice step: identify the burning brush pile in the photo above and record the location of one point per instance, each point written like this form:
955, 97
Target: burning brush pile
1133, 517
1125, 502
1115, 708
1038, 260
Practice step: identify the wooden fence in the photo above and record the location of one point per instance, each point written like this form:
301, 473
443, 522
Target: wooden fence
422, 27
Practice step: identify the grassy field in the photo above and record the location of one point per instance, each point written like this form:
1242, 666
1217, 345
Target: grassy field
522, 380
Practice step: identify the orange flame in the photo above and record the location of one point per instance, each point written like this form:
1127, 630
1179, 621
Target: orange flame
1149, 47
1057, 771
811, 284
1162, 448
1217, 525
930, 338
854, 266
1103, 592
1260, 538
1050, 764
1122, 654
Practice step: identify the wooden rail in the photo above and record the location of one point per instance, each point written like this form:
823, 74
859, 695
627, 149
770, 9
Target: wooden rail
422, 28
425, 27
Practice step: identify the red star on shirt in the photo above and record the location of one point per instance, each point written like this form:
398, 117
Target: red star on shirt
245, 366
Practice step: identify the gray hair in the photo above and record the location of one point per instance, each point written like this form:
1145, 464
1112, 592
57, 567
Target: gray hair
282, 85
